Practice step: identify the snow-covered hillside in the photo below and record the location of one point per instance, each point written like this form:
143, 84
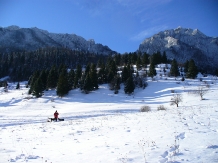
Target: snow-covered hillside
14, 38
106, 127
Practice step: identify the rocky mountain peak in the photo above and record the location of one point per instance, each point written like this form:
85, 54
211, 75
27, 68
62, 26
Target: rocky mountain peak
184, 44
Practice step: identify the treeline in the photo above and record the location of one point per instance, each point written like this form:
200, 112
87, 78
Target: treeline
63, 70
115, 70
20, 66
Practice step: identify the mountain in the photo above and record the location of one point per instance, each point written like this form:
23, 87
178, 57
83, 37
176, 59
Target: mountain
14, 38
184, 44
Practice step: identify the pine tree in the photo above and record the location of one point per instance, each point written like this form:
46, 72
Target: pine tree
174, 70
117, 59
117, 84
87, 86
71, 77
186, 66
78, 75
145, 59
138, 62
156, 58
192, 70
100, 63
43, 77
18, 85
52, 78
63, 85
111, 69
102, 75
87, 70
32, 80
94, 77
164, 57
152, 71
125, 74
216, 72
38, 88
129, 86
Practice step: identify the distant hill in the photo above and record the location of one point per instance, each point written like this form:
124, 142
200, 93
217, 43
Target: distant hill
14, 38
184, 44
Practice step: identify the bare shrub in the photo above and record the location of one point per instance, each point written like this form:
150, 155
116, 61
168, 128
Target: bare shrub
201, 91
145, 108
176, 99
208, 85
172, 91
161, 107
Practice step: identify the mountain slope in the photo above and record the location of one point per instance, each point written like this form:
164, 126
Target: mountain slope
14, 38
184, 44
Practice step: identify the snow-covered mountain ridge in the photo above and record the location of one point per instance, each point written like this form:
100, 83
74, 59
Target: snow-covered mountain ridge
184, 44
14, 38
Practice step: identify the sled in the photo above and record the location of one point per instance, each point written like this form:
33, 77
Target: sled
53, 119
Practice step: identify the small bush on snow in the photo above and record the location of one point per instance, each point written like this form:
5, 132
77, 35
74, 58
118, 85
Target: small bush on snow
145, 108
161, 107
172, 91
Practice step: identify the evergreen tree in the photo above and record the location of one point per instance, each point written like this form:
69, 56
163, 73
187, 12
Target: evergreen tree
216, 72
145, 59
87, 70
117, 59
87, 86
152, 71
186, 66
110, 76
63, 85
192, 70
174, 70
133, 58
71, 77
100, 63
164, 57
38, 88
115, 84
102, 75
138, 62
129, 86
111, 70
32, 81
94, 77
78, 75
18, 85
156, 58
125, 74
43, 77
6, 86
130, 70
52, 78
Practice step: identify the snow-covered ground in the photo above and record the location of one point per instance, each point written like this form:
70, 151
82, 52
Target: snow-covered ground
102, 127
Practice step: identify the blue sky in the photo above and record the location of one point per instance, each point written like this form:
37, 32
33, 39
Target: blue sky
120, 24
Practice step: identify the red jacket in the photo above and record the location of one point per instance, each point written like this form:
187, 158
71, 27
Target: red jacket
56, 114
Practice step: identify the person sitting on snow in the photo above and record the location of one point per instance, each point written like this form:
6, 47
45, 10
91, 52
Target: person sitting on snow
56, 115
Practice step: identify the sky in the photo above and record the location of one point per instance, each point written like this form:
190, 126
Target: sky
120, 24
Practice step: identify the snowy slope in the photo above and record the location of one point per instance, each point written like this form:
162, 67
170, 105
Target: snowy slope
104, 127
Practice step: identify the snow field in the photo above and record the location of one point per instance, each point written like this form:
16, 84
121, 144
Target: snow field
104, 127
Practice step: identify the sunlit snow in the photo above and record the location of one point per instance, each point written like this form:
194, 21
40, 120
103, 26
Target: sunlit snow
103, 127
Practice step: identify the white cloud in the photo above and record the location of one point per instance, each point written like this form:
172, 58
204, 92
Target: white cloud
148, 32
